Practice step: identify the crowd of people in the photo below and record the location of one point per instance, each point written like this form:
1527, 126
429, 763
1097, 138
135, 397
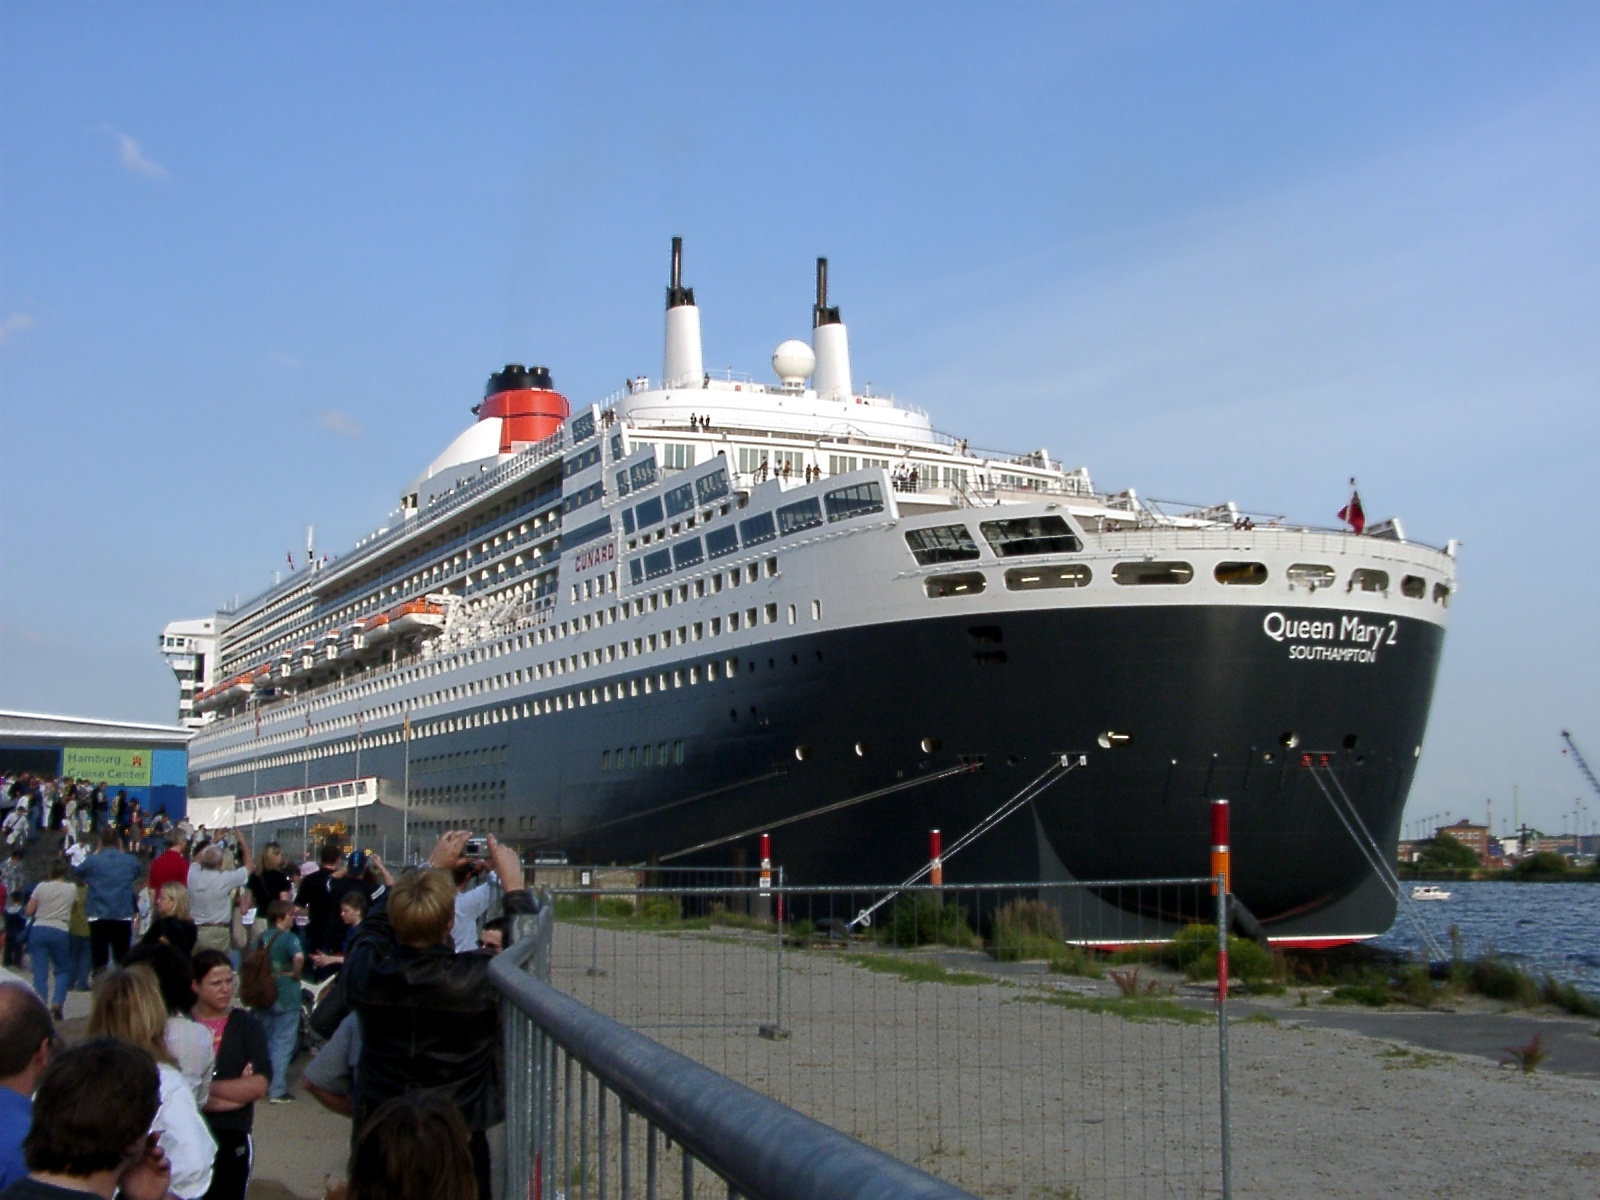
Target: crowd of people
205, 961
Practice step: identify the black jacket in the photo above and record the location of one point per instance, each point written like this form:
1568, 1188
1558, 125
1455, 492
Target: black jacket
429, 1020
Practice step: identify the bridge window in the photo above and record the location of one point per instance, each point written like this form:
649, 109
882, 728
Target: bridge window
941, 544
1030, 535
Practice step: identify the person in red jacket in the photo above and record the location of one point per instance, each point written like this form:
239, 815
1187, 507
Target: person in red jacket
171, 866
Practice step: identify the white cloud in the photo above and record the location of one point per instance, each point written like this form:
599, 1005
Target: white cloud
13, 324
134, 158
331, 420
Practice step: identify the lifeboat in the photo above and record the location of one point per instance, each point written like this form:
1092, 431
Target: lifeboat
206, 699
328, 647
236, 689
303, 661
377, 629
353, 640
417, 616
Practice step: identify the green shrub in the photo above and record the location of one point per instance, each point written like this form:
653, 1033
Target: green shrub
1500, 980
1024, 929
1194, 952
1568, 996
659, 910
921, 919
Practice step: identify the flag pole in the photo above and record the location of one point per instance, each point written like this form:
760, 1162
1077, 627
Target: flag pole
405, 791
355, 792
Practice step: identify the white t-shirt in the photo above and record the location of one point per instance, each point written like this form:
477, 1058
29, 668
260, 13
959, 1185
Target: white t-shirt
184, 1136
211, 892
470, 907
190, 1043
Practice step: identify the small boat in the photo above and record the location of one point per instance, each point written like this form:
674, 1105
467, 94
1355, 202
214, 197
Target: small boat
1429, 891
417, 616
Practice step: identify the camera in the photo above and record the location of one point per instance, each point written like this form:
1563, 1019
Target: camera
476, 847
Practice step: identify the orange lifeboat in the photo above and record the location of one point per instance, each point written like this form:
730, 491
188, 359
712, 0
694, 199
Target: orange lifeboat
416, 616
377, 629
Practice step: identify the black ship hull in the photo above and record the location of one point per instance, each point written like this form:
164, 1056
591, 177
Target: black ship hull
873, 723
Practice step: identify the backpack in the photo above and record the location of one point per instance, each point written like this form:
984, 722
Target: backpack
258, 982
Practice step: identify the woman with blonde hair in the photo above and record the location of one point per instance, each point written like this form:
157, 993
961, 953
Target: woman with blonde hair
172, 923
127, 1005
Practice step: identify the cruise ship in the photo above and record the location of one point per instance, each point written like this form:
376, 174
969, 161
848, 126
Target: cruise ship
649, 629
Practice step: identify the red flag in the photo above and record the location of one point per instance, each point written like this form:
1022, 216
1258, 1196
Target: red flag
1352, 514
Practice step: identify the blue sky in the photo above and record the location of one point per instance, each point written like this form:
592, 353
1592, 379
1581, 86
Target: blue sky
257, 260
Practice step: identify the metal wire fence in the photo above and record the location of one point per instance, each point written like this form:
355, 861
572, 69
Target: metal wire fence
1013, 1040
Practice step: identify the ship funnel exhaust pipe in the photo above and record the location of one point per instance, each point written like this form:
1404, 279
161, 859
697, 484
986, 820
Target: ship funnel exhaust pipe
682, 363
831, 344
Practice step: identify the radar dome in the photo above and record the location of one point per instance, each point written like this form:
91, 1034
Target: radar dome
793, 361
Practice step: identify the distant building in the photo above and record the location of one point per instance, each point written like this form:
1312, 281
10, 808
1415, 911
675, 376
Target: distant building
1473, 837
190, 648
149, 762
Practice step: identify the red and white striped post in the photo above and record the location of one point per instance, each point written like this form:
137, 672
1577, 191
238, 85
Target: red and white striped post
764, 898
1221, 868
935, 859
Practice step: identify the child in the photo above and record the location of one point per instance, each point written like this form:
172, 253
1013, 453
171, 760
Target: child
352, 911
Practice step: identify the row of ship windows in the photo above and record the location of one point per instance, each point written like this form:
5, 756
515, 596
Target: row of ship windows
662, 754
1135, 574
642, 685
481, 792
484, 756
664, 598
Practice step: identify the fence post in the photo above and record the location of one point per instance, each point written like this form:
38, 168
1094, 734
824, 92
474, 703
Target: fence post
776, 1032
1221, 867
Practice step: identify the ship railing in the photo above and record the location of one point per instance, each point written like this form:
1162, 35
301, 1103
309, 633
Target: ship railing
1310, 538
961, 1028
593, 1104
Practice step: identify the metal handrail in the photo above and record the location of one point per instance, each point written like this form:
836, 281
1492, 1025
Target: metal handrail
759, 1147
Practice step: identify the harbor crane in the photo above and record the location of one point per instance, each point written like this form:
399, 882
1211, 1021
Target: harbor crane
1578, 757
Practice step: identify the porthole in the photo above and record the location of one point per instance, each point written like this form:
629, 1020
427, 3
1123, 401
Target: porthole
967, 583
1413, 587
1153, 573
1310, 575
1069, 575
1369, 579
1248, 574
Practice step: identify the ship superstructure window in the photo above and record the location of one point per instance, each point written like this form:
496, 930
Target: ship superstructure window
581, 462
1310, 575
623, 486
841, 464
1414, 586
1048, 534
967, 583
657, 564
1027, 579
680, 500
1248, 574
1441, 594
805, 514
712, 487
846, 502
1138, 574
649, 513
676, 456
941, 544
642, 474
757, 529
722, 541
1369, 579
688, 553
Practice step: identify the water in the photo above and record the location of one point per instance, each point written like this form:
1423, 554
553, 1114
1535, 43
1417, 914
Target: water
1552, 927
